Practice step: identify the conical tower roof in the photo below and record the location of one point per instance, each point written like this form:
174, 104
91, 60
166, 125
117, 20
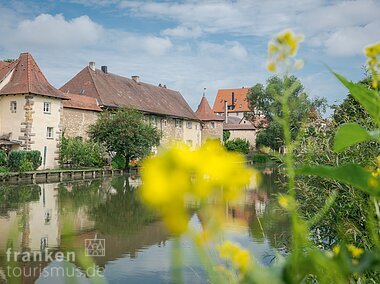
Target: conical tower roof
205, 113
27, 78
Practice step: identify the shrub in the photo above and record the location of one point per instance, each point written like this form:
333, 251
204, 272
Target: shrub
260, 158
238, 144
3, 170
3, 158
78, 153
118, 162
17, 158
26, 166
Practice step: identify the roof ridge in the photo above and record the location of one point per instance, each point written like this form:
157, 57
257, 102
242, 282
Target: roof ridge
93, 81
27, 72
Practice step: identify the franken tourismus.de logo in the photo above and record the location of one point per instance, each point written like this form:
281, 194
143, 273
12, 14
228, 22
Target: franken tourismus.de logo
95, 247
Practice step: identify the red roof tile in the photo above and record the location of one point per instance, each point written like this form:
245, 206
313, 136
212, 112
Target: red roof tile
81, 102
116, 91
205, 113
5, 68
27, 78
226, 95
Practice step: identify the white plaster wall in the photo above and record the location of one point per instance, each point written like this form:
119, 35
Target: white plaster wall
11, 122
192, 134
41, 121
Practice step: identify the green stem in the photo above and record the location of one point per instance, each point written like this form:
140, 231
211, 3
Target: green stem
177, 261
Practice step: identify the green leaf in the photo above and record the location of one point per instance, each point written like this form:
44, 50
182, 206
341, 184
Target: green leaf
351, 174
349, 134
366, 97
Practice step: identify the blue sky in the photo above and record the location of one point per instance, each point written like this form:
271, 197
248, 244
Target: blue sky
191, 44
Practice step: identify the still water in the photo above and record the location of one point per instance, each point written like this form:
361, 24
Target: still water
60, 217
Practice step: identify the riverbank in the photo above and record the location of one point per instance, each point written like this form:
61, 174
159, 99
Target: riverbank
57, 175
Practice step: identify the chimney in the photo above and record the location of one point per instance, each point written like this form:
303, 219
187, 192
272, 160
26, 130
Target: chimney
136, 79
104, 69
91, 64
164, 87
225, 112
233, 100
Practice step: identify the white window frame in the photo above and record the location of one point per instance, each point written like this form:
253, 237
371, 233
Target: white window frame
50, 132
13, 106
47, 107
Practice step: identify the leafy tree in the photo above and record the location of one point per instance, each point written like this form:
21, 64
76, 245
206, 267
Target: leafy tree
80, 153
124, 132
263, 102
226, 135
238, 144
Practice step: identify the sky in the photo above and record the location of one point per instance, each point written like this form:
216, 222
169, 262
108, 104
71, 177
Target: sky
190, 45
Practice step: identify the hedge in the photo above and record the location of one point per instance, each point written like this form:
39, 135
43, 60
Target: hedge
24, 160
3, 158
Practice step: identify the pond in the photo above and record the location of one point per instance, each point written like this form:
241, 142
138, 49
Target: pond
133, 244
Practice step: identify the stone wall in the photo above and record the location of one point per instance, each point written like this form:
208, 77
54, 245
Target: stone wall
212, 130
75, 122
250, 135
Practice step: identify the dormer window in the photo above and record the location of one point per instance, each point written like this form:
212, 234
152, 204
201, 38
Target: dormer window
47, 107
13, 106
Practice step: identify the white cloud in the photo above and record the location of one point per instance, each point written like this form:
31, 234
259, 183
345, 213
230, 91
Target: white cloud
230, 49
350, 41
48, 31
183, 32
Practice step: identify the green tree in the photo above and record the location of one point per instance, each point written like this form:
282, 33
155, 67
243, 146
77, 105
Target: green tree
125, 133
264, 101
238, 144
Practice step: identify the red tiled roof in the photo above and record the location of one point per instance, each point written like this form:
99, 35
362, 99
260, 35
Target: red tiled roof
27, 78
116, 91
5, 68
205, 113
81, 102
226, 95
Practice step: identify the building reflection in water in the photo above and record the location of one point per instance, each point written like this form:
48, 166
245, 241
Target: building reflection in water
109, 209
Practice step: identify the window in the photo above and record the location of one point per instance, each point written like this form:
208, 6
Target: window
212, 124
13, 106
240, 106
189, 124
47, 107
165, 122
50, 133
178, 123
153, 120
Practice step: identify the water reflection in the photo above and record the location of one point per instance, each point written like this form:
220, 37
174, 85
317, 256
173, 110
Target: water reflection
137, 244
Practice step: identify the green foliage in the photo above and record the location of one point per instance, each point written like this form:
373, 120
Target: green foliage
118, 162
272, 137
3, 170
239, 145
24, 160
267, 101
125, 133
77, 153
260, 158
226, 135
3, 158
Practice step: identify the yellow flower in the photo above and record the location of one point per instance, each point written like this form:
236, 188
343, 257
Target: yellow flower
355, 251
178, 173
239, 257
298, 64
283, 47
336, 249
271, 67
373, 52
284, 201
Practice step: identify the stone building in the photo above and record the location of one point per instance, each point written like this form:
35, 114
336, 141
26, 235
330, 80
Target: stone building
234, 99
212, 124
78, 114
240, 128
164, 108
30, 109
